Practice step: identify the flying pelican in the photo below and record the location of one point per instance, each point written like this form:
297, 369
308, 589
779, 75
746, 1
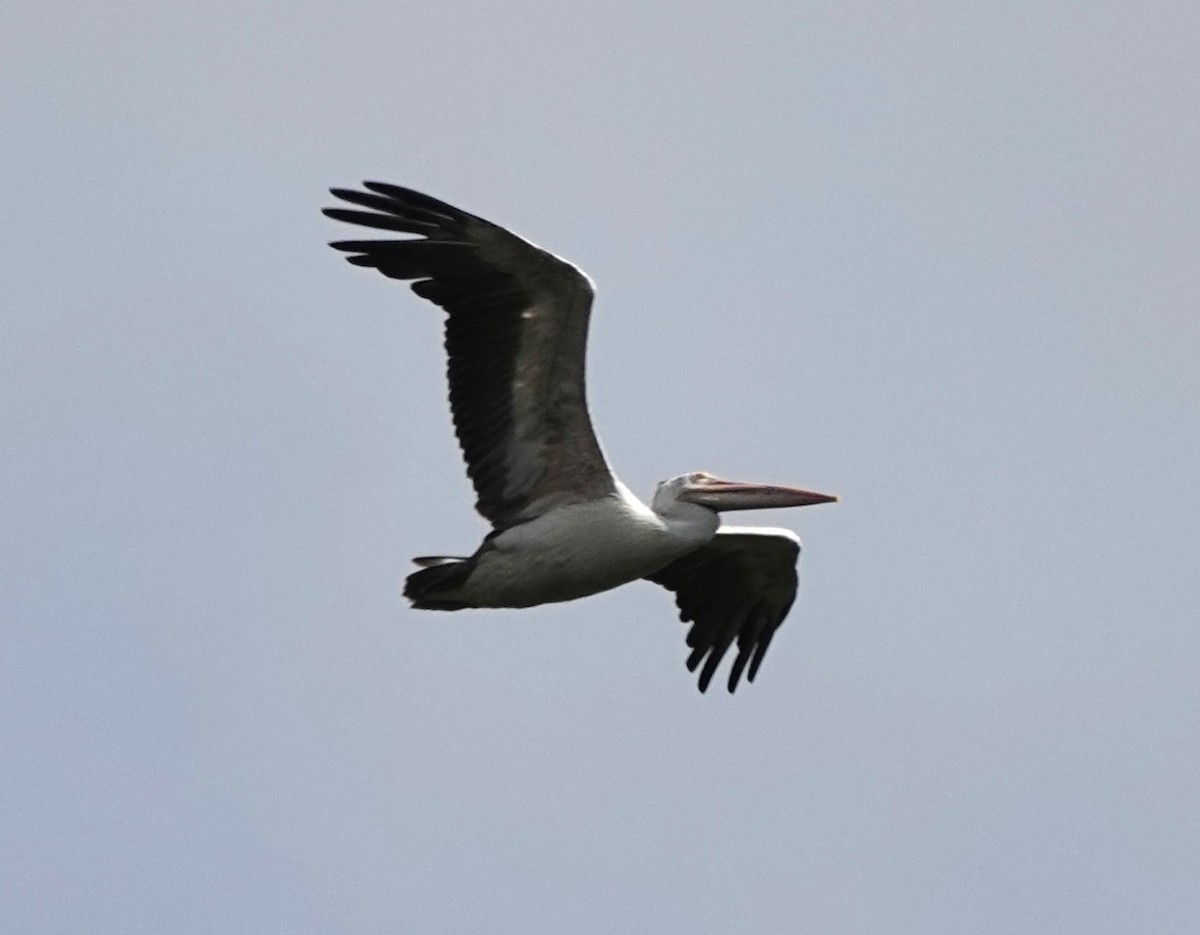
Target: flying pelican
563, 525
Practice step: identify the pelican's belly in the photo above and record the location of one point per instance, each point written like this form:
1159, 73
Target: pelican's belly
572, 552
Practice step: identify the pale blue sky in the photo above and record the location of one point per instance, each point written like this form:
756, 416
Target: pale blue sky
939, 258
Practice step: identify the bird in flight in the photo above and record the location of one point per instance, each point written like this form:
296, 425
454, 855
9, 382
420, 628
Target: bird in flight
563, 525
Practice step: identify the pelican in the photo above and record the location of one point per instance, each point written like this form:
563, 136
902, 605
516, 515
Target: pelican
563, 525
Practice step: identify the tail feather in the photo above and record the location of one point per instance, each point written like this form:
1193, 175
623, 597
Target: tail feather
427, 588
429, 561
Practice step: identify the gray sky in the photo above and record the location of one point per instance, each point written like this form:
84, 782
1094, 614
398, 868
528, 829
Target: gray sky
941, 259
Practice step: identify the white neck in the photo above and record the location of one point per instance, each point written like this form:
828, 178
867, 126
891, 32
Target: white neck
686, 522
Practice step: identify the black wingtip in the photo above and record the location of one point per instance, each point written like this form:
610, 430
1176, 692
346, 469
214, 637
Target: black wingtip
398, 192
395, 191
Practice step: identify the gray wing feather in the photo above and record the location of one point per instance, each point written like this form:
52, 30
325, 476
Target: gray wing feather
516, 341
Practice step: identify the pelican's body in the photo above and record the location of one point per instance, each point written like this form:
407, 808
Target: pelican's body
564, 526
574, 551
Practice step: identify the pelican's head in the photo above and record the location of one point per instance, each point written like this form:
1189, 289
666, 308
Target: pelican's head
720, 495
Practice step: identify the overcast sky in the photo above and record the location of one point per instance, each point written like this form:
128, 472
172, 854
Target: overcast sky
938, 258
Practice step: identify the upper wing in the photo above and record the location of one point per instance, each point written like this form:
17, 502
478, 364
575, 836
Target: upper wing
516, 336
740, 585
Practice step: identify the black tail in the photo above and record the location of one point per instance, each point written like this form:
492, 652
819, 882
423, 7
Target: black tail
426, 588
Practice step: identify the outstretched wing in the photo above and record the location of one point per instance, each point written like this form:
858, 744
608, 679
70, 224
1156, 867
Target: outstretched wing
739, 586
516, 337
